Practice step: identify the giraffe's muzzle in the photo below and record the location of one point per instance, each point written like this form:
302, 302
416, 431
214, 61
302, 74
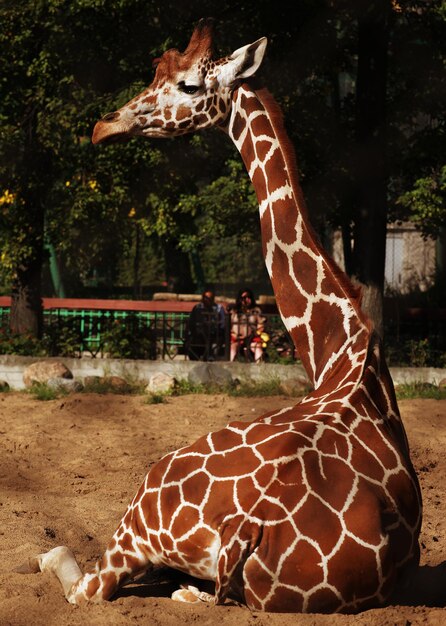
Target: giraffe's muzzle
110, 129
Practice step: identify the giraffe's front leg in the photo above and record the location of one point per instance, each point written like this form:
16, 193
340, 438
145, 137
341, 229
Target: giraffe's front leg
114, 569
61, 562
238, 540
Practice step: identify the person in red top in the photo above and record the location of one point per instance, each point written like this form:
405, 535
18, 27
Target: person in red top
247, 324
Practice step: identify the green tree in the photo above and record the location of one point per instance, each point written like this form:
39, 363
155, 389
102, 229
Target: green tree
426, 203
66, 64
61, 61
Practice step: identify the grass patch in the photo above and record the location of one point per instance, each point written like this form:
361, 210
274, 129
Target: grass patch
246, 389
184, 387
420, 390
155, 398
271, 387
41, 391
274, 387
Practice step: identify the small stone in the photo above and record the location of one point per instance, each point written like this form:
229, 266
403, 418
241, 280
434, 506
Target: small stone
93, 380
117, 382
66, 384
4, 386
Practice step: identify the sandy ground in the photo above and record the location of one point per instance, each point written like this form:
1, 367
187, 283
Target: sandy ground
69, 467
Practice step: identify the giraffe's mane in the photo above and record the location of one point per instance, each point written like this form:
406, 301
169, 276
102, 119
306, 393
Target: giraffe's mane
275, 114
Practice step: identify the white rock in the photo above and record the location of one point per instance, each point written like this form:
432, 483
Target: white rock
160, 383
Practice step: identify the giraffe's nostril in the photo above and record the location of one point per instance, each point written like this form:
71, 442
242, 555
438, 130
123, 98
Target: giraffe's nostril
110, 117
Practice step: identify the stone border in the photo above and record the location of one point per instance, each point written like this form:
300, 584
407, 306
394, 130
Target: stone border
12, 368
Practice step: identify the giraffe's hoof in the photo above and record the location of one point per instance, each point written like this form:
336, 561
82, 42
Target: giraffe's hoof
192, 595
31, 566
42, 562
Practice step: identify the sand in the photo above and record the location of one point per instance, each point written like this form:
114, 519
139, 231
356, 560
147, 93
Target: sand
70, 466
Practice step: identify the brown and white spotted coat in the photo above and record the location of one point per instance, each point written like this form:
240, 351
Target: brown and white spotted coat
312, 508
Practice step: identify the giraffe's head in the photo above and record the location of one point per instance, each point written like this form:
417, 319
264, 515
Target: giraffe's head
190, 91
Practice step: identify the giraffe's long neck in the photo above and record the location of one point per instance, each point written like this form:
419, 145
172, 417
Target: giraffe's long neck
318, 304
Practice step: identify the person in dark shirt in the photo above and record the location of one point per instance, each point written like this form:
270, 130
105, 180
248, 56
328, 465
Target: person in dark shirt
206, 329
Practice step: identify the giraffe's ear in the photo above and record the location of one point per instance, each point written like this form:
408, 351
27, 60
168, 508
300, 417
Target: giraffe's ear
245, 61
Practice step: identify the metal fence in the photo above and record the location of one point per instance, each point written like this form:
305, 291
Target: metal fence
412, 336
416, 336
149, 335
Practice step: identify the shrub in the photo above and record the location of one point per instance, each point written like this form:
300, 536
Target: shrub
415, 353
420, 390
128, 339
24, 345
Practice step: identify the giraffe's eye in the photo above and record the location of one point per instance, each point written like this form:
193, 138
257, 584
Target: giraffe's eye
189, 89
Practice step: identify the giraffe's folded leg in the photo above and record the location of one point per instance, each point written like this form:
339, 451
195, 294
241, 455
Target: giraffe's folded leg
61, 562
192, 595
116, 567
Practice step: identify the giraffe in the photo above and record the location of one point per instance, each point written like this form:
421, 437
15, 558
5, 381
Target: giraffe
313, 508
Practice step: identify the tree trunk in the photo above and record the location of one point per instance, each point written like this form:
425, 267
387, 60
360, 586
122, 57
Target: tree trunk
26, 301
136, 264
200, 282
371, 218
178, 270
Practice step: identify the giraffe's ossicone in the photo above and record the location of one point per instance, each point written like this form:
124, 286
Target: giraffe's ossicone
313, 508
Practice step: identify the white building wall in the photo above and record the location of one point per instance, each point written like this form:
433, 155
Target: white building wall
410, 259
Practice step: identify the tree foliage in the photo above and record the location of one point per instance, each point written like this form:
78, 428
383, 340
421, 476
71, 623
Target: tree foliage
426, 202
66, 63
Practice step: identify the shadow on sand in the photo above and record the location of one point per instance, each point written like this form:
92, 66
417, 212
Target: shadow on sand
425, 586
